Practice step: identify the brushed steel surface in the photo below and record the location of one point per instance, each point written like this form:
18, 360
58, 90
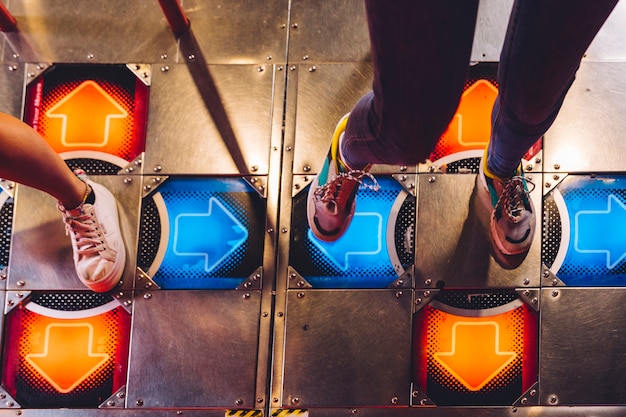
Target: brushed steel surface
609, 42
583, 346
491, 23
115, 31
347, 348
41, 253
239, 32
452, 243
328, 31
194, 349
11, 84
210, 120
588, 134
324, 94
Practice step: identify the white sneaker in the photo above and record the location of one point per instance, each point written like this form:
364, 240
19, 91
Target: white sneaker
99, 253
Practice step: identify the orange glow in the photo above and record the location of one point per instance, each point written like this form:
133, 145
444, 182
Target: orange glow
86, 118
67, 358
475, 352
470, 127
475, 357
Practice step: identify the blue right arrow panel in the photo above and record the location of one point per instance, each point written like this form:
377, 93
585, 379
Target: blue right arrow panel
202, 233
375, 249
586, 231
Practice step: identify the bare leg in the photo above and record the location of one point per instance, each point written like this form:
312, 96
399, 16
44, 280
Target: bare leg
26, 158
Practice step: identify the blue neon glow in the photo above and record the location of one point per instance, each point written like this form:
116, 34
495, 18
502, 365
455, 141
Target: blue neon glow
354, 246
595, 231
360, 257
209, 237
223, 234
593, 215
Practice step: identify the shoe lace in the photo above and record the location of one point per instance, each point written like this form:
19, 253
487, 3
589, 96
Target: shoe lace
87, 235
331, 190
513, 196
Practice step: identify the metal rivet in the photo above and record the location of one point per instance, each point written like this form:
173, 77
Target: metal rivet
306, 168
139, 402
254, 168
555, 293
300, 295
165, 68
157, 168
20, 283
260, 69
431, 179
394, 400
312, 68
239, 401
128, 180
557, 166
295, 400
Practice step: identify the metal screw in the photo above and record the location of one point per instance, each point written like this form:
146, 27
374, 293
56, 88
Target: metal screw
557, 166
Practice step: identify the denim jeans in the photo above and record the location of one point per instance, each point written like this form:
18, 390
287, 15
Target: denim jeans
421, 51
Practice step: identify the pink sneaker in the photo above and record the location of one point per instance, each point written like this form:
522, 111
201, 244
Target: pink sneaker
99, 253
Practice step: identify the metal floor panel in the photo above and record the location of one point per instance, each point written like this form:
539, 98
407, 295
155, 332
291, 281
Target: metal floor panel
251, 94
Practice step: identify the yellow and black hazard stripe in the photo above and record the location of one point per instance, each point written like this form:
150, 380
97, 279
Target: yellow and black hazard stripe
244, 413
292, 412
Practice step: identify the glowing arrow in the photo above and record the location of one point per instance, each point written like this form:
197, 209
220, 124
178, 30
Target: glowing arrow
211, 236
68, 358
363, 238
601, 231
475, 358
471, 124
86, 114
